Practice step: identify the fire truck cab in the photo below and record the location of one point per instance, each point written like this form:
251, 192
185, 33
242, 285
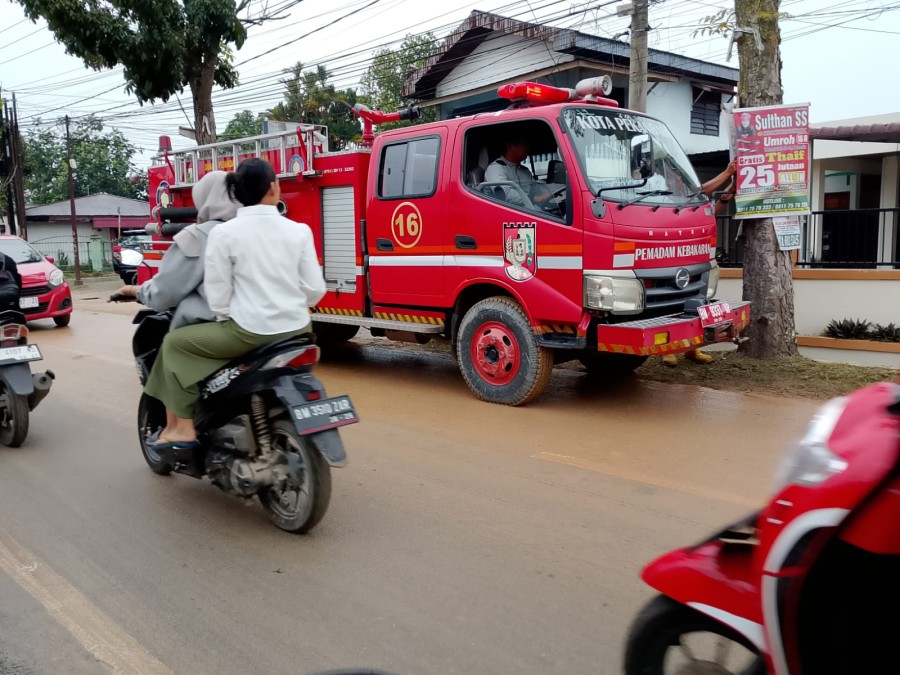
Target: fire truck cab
600, 246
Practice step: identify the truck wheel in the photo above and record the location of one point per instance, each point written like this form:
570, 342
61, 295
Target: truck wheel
333, 333
498, 354
606, 365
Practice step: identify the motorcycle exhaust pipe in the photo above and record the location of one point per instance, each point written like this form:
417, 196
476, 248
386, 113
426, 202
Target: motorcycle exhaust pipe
42, 383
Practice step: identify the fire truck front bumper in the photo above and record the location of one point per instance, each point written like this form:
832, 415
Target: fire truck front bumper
705, 325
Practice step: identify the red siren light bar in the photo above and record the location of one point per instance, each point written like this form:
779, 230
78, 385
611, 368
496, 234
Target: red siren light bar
589, 90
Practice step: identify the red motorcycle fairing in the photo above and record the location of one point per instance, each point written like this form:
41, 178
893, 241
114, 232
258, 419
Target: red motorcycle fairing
717, 579
877, 528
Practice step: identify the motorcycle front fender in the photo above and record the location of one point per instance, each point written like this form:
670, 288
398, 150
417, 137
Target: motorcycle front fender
715, 580
18, 378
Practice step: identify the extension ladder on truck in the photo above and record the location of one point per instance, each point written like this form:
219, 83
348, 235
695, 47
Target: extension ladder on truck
291, 153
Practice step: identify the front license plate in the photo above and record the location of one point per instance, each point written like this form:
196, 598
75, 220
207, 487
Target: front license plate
21, 354
325, 414
28, 303
718, 312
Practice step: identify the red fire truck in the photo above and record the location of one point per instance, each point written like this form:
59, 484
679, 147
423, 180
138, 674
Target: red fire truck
607, 257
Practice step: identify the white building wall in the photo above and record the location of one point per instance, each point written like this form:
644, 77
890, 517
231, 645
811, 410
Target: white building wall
672, 102
54, 239
498, 60
818, 301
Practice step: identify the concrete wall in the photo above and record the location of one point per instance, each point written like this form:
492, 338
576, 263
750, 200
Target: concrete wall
818, 301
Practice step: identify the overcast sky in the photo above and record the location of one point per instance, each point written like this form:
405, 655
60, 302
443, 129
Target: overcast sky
839, 55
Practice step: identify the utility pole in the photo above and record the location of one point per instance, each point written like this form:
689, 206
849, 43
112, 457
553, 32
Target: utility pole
637, 78
70, 162
18, 157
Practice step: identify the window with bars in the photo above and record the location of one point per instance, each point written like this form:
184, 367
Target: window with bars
705, 113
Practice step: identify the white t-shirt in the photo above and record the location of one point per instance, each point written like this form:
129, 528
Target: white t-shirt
262, 271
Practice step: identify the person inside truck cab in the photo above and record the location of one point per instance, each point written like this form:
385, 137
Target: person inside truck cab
508, 168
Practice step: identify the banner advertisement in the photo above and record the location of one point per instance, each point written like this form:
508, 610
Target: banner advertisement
772, 152
787, 230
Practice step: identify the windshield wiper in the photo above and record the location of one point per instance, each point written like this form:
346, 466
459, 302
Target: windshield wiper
692, 199
644, 195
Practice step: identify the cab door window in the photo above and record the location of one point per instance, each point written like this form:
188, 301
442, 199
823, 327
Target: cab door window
518, 164
409, 169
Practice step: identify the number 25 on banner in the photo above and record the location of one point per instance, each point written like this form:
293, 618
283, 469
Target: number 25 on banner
406, 225
757, 176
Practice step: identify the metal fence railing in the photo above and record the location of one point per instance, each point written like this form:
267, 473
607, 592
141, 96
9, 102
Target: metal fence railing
95, 254
852, 238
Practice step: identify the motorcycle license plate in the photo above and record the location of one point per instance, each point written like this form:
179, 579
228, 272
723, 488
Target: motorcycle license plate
28, 303
328, 413
718, 312
20, 354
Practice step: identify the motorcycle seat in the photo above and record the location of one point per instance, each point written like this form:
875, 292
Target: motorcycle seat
272, 348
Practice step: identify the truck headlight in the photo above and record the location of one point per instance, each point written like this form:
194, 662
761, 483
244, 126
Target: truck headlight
56, 278
614, 294
712, 281
811, 461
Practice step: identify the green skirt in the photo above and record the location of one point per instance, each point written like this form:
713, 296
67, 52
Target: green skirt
191, 354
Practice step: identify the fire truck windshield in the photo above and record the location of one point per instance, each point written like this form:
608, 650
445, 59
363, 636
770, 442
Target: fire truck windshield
621, 148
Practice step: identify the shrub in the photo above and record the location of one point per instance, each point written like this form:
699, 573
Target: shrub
889, 333
848, 329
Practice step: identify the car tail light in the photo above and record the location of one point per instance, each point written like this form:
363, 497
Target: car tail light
297, 358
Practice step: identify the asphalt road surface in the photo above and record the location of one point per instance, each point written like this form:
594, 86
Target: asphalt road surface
462, 537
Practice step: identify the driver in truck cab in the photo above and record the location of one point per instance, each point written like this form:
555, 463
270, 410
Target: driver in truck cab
508, 168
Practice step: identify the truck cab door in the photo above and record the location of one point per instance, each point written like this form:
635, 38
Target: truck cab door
405, 220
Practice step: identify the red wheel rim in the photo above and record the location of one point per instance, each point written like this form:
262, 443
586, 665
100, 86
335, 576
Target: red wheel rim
495, 353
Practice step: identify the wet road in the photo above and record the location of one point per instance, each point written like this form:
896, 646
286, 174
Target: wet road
461, 538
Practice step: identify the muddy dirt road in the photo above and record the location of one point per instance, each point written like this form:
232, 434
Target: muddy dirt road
462, 537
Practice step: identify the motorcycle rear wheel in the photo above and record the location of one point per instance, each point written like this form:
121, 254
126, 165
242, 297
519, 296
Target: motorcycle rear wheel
299, 503
668, 638
14, 418
151, 419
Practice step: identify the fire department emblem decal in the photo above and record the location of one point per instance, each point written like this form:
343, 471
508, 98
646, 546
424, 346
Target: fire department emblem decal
520, 250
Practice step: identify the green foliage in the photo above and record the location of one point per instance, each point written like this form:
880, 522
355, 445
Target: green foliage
243, 125
104, 163
848, 329
382, 85
310, 98
163, 45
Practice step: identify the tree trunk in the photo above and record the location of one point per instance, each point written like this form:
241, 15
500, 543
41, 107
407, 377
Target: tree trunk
768, 280
201, 91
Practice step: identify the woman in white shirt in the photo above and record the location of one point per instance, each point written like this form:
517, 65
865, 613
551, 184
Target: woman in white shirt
261, 276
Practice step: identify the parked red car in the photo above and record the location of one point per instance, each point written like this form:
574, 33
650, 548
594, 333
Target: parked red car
45, 293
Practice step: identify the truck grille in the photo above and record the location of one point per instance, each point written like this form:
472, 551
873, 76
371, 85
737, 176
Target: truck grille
662, 293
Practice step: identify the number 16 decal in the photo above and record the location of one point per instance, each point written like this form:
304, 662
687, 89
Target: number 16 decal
406, 225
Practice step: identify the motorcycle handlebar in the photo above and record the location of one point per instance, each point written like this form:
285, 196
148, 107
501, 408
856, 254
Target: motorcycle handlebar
119, 297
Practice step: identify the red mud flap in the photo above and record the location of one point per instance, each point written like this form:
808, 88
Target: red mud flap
718, 322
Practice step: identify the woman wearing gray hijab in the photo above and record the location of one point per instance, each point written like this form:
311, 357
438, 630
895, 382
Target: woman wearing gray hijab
179, 282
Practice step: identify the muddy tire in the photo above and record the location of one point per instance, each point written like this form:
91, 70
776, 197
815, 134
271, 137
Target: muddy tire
603, 365
151, 420
300, 502
668, 637
14, 421
498, 354
333, 333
